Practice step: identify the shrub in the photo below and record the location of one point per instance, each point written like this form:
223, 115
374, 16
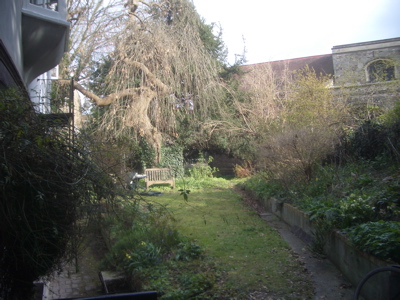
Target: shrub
263, 187
140, 227
292, 156
143, 256
172, 157
368, 140
154, 256
243, 171
202, 169
45, 176
380, 238
188, 250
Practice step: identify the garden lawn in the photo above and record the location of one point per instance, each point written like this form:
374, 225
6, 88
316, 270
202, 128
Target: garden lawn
249, 254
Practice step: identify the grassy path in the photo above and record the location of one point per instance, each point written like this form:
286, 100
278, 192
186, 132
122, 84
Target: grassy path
253, 259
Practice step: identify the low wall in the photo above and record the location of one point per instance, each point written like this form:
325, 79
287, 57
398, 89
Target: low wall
353, 263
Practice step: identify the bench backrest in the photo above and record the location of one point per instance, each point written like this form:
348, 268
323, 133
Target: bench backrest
159, 176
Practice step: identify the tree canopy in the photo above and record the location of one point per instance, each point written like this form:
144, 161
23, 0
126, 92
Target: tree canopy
159, 64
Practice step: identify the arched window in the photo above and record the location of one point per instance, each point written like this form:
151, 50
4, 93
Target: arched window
380, 70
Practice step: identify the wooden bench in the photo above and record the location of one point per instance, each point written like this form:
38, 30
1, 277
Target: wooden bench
159, 176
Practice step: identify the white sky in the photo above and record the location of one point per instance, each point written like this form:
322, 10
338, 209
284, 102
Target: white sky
282, 29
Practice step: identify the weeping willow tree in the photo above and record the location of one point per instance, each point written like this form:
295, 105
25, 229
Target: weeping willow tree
161, 71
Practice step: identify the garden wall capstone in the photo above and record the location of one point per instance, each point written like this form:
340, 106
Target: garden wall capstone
353, 263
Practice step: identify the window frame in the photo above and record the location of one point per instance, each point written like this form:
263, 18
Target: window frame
376, 78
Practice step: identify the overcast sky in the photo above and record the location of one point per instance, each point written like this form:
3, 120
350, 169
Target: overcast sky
283, 29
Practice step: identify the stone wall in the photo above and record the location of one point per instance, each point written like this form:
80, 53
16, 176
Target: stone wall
350, 61
353, 78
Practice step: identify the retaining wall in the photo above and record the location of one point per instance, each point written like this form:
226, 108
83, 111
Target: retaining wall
353, 263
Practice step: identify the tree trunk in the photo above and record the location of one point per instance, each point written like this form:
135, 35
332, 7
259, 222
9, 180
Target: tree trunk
136, 114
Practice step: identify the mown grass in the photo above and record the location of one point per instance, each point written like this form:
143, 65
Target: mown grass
248, 253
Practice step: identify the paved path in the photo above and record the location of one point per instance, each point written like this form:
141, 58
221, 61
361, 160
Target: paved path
329, 283
72, 284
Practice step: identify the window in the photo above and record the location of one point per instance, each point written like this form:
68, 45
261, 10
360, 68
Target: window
50, 4
380, 70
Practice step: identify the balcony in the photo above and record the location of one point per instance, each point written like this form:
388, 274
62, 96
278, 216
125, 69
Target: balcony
45, 34
49, 4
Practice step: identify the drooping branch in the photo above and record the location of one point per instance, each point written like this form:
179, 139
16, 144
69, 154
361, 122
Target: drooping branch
132, 5
158, 84
107, 100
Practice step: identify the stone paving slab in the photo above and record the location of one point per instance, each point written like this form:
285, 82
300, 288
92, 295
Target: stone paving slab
72, 284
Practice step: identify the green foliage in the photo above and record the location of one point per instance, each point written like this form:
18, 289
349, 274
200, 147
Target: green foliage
185, 194
142, 155
188, 250
148, 248
195, 284
145, 255
202, 169
340, 196
311, 103
387, 202
44, 179
380, 238
207, 183
367, 141
262, 187
349, 211
98, 76
213, 44
181, 280
393, 116
136, 227
376, 137
172, 157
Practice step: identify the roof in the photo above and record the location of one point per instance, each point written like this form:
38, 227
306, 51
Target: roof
322, 64
367, 46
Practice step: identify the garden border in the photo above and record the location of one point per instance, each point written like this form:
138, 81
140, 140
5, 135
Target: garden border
352, 263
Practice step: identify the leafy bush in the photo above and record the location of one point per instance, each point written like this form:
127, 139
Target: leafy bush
137, 227
307, 130
377, 137
387, 204
188, 250
45, 176
153, 255
380, 238
172, 157
202, 170
243, 171
262, 187
367, 141
206, 183
145, 255
142, 155
339, 197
